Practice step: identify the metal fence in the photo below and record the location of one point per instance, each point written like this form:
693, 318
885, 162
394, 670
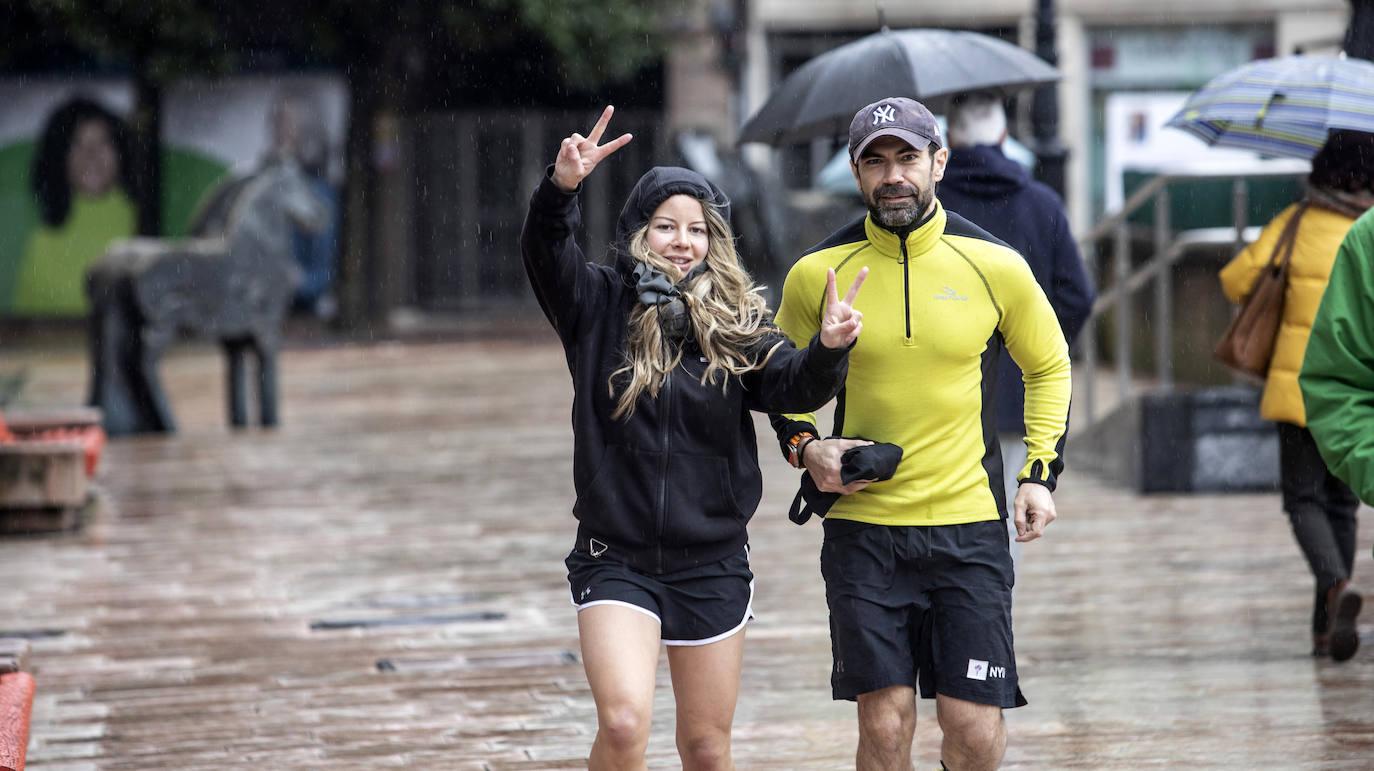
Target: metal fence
1119, 276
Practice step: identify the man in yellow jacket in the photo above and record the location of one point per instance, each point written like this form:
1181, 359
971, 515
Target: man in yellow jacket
1320, 507
917, 568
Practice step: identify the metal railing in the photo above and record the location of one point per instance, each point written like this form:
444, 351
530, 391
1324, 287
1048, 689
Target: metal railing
1168, 248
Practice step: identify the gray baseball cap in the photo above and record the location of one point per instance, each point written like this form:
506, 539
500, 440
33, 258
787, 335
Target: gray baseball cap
895, 116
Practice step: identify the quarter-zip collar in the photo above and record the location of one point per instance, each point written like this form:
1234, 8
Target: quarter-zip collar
919, 241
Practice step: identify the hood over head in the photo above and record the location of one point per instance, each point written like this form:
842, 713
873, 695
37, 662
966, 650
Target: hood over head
656, 186
984, 171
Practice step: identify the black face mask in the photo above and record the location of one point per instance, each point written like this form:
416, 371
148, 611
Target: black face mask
654, 288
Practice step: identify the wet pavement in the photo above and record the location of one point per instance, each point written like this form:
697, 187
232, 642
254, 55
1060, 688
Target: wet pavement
379, 583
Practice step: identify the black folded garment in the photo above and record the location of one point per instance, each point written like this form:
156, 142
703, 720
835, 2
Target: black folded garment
875, 462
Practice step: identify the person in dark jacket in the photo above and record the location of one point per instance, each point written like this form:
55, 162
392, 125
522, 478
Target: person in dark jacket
669, 349
996, 193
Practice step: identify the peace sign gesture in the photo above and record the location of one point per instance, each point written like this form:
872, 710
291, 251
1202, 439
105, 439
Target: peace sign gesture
841, 324
579, 155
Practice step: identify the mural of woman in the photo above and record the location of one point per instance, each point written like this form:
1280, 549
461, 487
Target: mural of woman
80, 180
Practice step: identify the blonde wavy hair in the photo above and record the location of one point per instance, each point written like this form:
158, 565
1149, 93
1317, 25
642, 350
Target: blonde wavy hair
730, 320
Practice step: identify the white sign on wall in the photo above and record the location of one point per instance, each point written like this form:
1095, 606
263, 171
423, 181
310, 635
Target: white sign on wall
1136, 139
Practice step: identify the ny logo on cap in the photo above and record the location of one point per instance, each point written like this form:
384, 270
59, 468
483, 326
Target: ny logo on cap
884, 114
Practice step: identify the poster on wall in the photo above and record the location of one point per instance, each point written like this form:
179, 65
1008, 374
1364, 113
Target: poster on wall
1137, 140
64, 188
65, 192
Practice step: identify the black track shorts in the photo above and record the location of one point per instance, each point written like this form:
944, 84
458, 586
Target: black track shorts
696, 606
921, 606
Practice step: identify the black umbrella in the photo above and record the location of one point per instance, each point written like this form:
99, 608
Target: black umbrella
821, 97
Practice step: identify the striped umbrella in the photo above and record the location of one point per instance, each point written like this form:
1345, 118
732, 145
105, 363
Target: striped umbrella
1284, 106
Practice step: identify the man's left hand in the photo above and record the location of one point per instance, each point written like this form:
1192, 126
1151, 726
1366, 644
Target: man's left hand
1034, 511
841, 323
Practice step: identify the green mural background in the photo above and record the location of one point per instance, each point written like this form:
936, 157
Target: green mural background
187, 174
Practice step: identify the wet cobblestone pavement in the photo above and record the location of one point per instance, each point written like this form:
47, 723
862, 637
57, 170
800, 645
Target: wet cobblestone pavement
379, 583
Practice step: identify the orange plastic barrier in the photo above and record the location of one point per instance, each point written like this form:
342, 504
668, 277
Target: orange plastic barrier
92, 438
16, 705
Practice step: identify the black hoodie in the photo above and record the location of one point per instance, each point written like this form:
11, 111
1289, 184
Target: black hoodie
674, 484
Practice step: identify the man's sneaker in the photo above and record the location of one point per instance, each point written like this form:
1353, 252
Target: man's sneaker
1344, 607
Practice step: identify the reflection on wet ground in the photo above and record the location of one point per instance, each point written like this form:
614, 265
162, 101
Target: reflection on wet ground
379, 583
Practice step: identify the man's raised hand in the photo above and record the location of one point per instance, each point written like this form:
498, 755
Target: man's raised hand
578, 155
841, 324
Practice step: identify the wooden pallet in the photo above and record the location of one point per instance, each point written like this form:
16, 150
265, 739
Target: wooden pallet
14, 655
43, 481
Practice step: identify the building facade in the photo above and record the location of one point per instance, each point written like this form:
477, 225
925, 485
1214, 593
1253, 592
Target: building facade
1121, 61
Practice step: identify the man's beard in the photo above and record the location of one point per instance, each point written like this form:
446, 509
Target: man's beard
901, 216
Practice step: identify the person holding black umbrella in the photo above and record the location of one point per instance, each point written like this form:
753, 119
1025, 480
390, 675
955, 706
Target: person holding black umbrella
669, 349
917, 569
998, 194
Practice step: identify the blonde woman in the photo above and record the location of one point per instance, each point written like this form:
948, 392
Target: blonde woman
669, 350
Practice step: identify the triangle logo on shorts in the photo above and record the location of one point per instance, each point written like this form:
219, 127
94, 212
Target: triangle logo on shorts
596, 547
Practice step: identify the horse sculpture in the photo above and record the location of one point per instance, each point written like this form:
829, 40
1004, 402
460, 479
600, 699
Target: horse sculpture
232, 281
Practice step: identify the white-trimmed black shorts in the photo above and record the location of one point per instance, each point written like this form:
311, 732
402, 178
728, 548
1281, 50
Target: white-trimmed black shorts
696, 606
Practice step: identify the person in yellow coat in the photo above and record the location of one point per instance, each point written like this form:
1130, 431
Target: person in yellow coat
1320, 507
80, 180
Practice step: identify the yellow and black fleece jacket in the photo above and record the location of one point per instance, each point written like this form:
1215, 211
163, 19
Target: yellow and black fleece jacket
939, 306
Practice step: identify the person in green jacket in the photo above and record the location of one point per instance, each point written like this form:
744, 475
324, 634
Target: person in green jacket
1337, 377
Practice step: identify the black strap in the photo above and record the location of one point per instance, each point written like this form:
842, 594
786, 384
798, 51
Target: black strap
799, 512
809, 500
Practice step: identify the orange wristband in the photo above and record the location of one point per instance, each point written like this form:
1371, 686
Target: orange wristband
794, 445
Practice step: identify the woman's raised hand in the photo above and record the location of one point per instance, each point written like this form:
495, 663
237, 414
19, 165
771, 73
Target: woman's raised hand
579, 155
841, 324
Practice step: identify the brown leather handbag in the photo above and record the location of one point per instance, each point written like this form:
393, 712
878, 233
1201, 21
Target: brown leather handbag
1247, 345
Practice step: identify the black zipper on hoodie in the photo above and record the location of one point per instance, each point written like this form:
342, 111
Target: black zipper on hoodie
906, 263
665, 398
906, 288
